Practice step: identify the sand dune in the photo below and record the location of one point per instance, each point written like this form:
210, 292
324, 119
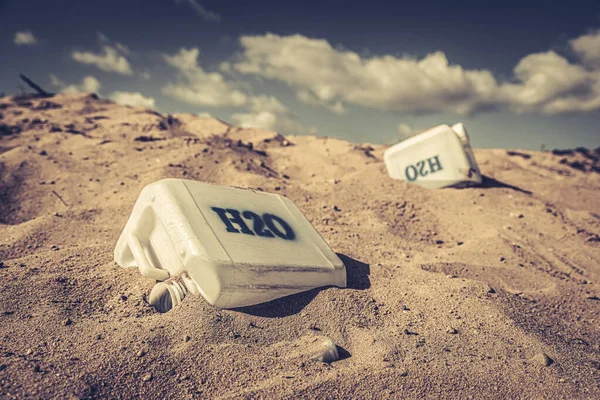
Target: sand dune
488, 292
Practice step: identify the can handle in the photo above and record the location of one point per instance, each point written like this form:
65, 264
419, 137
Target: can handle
144, 265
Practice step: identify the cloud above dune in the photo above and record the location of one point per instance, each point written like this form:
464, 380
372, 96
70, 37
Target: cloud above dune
272, 122
202, 88
328, 77
111, 59
25, 38
89, 84
548, 83
403, 130
197, 86
269, 113
321, 74
588, 48
132, 99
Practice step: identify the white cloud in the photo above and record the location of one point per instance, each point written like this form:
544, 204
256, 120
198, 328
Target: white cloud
266, 103
88, 84
588, 48
404, 130
309, 98
55, 81
225, 66
122, 48
204, 115
199, 87
103, 39
145, 75
271, 121
324, 76
207, 15
110, 60
549, 83
269, 113
25, 38
132, 99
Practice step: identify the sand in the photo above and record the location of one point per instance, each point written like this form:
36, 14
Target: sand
487, 292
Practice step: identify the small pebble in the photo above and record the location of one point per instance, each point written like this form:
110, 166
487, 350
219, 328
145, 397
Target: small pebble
36, 368
67, 322
186, 338
141, 353
147, 377
542, 359
451, 331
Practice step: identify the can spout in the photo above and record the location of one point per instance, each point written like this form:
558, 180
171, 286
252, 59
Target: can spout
166, 295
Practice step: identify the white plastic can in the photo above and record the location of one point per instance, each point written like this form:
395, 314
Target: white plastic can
236, 247
439, 157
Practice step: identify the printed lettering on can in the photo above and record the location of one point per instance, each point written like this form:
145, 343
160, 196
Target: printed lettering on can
423, 168
266, 225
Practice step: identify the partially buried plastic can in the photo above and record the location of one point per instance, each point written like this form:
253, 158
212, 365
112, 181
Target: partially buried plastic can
236, 247
439, 157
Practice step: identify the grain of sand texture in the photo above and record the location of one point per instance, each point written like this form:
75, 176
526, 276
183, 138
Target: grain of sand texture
487, 292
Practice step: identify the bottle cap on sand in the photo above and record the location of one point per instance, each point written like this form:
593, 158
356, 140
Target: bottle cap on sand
439, 157
235, 247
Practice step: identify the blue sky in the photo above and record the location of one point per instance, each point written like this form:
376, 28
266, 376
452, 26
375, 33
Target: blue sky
518, 74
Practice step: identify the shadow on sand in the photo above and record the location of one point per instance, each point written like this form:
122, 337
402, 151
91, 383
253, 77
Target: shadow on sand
357, 276
488, 182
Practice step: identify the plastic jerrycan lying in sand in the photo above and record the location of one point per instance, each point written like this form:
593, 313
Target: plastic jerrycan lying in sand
236, 247
439, 157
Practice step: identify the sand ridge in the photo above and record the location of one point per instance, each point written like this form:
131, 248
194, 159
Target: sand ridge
488, 292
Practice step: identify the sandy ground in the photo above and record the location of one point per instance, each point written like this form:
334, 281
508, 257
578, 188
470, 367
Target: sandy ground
488, 292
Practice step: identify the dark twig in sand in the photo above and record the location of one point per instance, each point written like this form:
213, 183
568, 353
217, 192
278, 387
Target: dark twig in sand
34, 86
60, 198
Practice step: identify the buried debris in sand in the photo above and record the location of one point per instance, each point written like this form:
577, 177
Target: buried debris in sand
328, 353
439, 157
236, 247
